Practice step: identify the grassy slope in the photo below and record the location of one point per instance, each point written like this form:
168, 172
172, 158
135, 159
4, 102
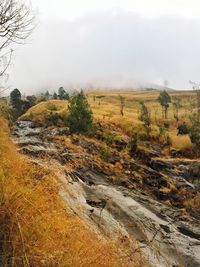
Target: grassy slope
108, 109
37, 229
37, 113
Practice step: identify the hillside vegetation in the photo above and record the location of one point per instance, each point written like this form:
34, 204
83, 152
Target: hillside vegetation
42, 111
105, 106
37, 229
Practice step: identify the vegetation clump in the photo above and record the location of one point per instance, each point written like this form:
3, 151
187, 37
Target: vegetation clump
133, 144
194, 131
145, 118
80, 117
164, 100
62, 94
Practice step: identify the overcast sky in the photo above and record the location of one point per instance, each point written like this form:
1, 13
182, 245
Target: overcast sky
110, 43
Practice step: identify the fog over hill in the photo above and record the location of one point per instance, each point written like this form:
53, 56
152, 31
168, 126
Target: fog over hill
109, 48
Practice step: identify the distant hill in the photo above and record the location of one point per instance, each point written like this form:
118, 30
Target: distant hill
124, 84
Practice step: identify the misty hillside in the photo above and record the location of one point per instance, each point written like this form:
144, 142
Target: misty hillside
99, 133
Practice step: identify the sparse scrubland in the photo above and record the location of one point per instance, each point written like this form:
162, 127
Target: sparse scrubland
106, 107
118, 152
131, 130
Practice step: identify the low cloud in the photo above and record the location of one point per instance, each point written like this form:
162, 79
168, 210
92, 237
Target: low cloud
112, 48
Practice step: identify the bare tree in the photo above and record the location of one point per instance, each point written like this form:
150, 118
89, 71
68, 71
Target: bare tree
176, 106
122, 104
196, 88
16, 24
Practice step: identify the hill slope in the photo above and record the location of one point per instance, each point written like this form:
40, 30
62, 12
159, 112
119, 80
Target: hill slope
37, 227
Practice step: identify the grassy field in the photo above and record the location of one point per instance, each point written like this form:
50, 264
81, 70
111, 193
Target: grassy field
106, 106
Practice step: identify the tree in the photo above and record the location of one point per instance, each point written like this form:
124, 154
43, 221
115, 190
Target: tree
16, 24
55, 96
122, 104
62, 94
47, 95
80, 115
176, 106
145, 117
144, 114
164, 99
32, 100
133, 144
196, 88
15, 99
194, 131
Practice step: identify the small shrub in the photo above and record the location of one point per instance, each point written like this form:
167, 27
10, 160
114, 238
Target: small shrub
105, 153
109, 137
143, 136
194, 131
133, 143
52, 107
53, 119
183, 129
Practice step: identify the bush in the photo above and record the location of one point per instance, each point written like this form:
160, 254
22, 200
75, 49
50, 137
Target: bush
105, 153
111, 138
143, 135
194, 131
183, 129
80, 115
53, 119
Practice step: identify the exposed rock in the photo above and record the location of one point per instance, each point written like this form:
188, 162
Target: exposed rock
97, 204
166, 228
181, 182
73, 156
161, 195
159, 165
33, 150
57, 131
186, 230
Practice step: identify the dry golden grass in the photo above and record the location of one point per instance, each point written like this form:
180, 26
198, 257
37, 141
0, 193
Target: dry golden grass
193, 203
37, 113
37, 229
180, 142
108, 109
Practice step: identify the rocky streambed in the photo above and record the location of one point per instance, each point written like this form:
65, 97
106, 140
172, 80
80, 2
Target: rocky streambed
163, 233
